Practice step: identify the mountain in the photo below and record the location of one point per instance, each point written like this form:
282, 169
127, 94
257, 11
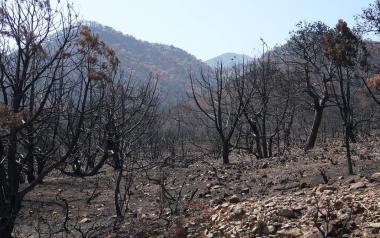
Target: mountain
170, 64
228, 59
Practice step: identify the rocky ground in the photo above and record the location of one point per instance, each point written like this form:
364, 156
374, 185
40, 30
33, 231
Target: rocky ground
280, 197
347, 208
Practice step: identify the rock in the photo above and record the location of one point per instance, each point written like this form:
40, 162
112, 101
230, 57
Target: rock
214, 217
237, 211
312, 234
347, 198
85, 220
225, 195
338, 205
272, 230
260, 229
216, 187
358, 185
289, 233
323, 187
304, 185
287, 213
264, 165
375, 177
374, 225
351, 180
217, 201
210, 235
234, 199
245, 190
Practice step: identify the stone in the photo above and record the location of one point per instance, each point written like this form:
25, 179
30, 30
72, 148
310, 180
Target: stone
272, 230
216, 187
287, 213
304, 185
225, 195
374, 225
237, 211
260, 228
264, 165
312, 234
375, 177
234, 199
217, 201
338, 205
290, 233
84, 220
358, 185
210, 235
323, 187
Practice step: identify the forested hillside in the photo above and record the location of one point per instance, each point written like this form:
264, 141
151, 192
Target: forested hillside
143, 59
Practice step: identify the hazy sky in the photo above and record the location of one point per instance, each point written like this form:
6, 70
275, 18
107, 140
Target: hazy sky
207, 28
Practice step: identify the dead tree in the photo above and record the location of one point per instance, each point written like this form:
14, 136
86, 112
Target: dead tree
303, 53
215, 97
52, 86
265, 106
348, 54
37, 41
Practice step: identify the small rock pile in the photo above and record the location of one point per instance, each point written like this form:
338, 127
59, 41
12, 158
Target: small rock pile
347, 208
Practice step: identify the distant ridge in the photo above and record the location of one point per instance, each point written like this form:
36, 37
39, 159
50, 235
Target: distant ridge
228, 59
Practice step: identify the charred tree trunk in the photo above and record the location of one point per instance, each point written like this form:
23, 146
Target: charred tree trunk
117, 194
226, 152
351, 133
310, 142
348, 149
10, 201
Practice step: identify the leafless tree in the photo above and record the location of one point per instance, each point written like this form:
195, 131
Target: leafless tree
266, 100
215, 96
303, 53
348, 54
52, 86
36, 42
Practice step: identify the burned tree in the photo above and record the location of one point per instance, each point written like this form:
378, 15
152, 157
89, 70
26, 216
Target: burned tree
266, 99
303, 53
347, 53
37, 41
215, 97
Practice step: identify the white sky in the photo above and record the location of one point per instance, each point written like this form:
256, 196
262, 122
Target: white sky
207, 28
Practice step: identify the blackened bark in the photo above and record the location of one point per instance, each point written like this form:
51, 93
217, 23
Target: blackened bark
310, 142
226, 153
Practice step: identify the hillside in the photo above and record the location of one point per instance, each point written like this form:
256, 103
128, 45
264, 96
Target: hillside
228, 59
169, 63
